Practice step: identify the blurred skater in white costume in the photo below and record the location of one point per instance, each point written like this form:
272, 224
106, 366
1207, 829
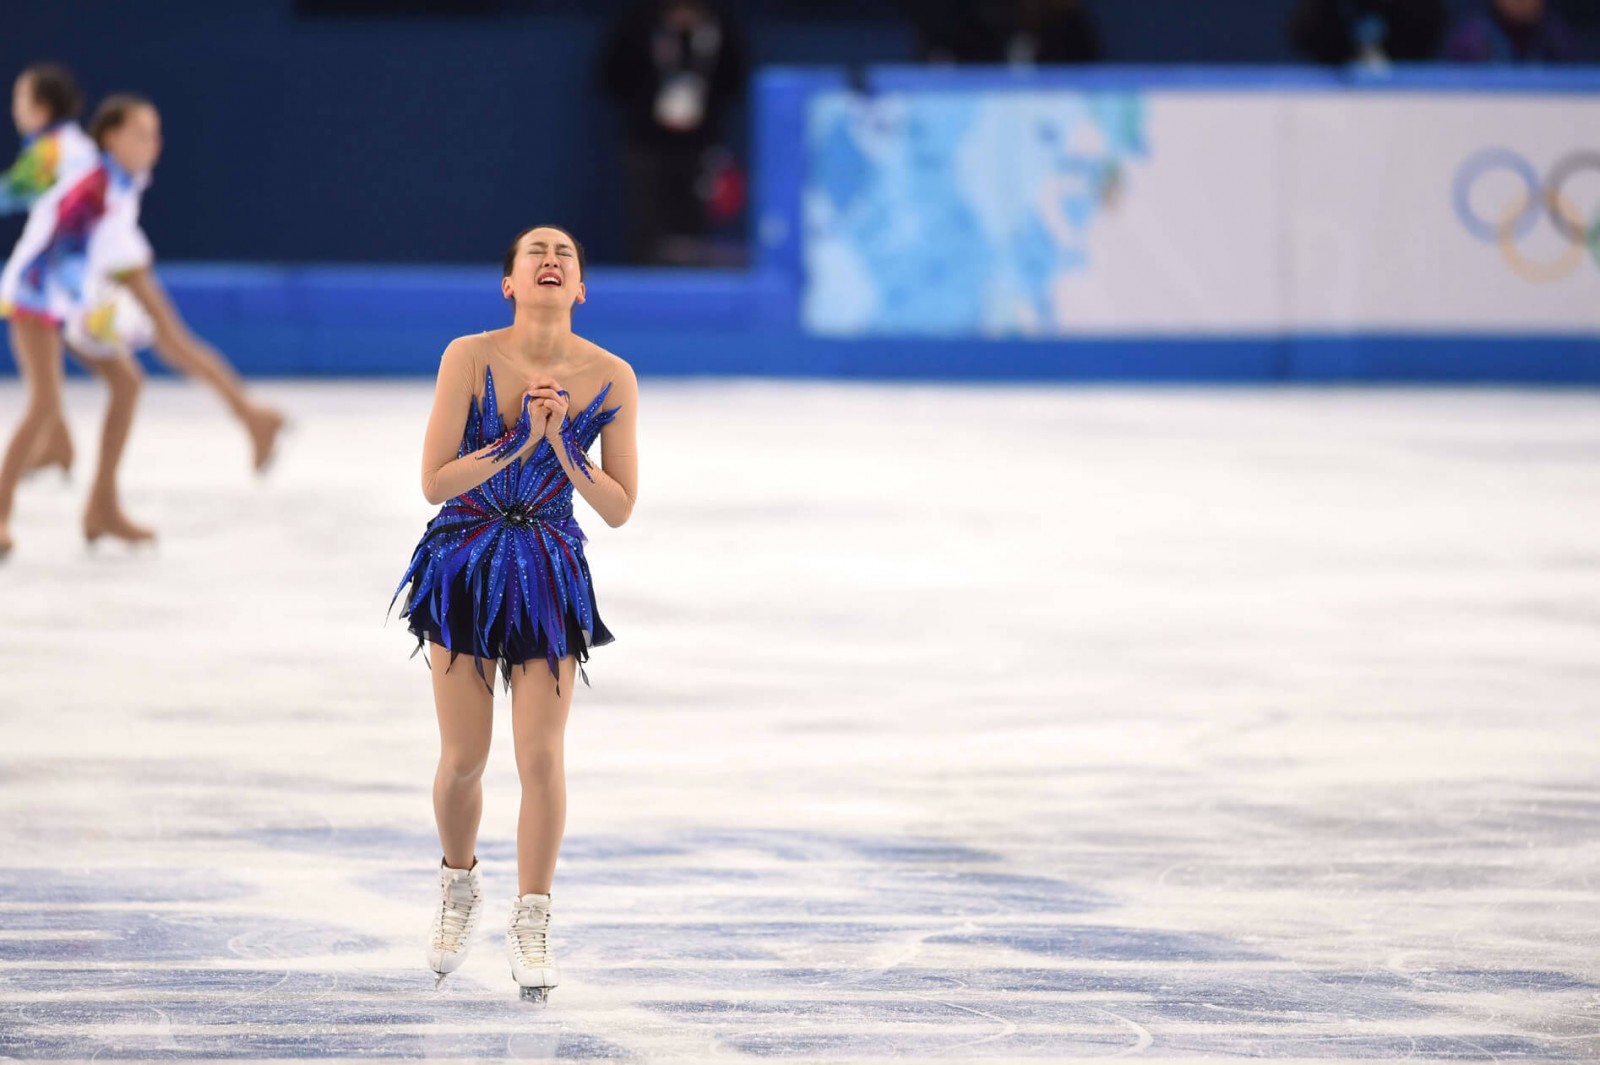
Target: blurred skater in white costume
85, 266
45, 104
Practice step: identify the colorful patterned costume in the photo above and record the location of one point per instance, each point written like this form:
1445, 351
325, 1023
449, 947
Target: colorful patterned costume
500, 571
82, 233
62, 151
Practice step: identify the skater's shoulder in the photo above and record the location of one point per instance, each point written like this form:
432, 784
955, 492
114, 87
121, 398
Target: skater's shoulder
467, 350
611, 368
465, 357
467, 345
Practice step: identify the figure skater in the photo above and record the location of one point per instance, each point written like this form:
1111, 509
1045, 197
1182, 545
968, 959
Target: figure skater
500, 575
88, 245
45, 104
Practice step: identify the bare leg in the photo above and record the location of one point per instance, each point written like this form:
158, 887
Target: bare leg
465, 706
37, 347
539, 725
187, 353
53, 449
104, 516
55, 443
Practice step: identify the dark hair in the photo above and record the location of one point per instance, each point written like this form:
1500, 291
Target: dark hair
511, 250
55, 88
113, 112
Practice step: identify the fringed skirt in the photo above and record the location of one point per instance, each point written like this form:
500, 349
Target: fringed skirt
461, 608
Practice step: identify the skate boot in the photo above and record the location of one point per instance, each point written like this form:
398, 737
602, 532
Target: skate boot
533, 966
460, 903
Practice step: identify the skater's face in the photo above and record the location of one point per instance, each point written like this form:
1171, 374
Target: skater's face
545, 272
1523, 11
685, 16
136, 144
28, 112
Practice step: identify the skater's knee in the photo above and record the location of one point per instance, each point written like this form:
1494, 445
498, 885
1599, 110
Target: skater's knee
44, 398
173, 344
538, 761
125, 376
463, 767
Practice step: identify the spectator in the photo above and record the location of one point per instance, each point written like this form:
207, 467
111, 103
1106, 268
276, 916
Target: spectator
1512, 31
672, 66
1341, 31
957, 31
1053, 31
1022, 32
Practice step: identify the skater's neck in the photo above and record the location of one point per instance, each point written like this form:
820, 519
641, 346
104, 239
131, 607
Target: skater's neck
538, 340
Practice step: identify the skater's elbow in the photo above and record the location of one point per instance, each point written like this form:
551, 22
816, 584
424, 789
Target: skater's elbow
431, 490
617, 516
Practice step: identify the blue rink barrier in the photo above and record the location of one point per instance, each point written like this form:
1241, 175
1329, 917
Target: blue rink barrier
329, 321
324, 320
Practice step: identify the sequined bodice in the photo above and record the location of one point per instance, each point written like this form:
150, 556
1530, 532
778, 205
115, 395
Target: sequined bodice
534, 487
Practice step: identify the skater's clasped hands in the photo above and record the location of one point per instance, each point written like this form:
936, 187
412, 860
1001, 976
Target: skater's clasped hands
549, 406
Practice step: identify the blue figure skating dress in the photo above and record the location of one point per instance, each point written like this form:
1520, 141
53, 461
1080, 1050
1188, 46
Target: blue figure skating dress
500, 571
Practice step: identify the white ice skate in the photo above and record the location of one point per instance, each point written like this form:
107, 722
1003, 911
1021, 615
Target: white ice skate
460, 902
533, 966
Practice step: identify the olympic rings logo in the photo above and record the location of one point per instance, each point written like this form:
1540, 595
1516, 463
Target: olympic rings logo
1537, 200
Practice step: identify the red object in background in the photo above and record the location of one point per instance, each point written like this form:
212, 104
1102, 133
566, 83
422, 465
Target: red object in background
725, 188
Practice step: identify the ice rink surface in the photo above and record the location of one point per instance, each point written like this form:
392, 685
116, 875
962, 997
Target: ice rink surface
943, 724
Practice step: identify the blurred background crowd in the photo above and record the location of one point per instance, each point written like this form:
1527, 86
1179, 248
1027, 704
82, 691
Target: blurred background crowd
673, 67
360, 114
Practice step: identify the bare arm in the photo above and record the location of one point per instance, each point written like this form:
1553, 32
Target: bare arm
612, 486
444, 476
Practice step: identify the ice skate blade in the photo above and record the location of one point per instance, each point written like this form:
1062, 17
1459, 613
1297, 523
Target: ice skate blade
130, 548
438, 980
539, 996
139, 540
